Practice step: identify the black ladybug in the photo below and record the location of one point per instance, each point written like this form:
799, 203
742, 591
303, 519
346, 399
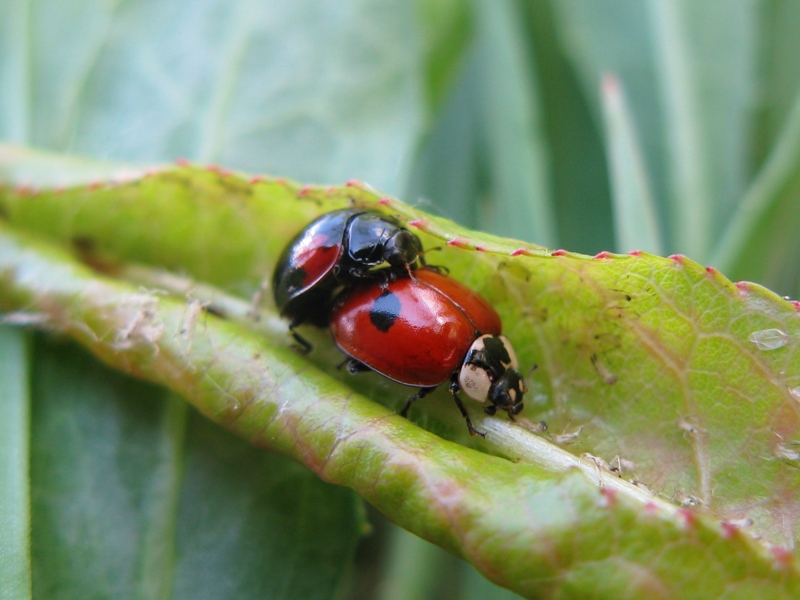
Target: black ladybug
334, 251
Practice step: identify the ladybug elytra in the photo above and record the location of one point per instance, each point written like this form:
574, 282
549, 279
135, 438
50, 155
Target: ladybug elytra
424, 330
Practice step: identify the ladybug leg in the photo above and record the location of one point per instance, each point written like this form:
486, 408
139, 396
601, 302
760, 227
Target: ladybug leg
454, 389
354, 367
438, 268
421, 256
492, 410
303, 346
441, 269
383, 275
420, 394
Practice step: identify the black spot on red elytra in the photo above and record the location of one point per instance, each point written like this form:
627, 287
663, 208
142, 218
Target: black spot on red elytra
384, 311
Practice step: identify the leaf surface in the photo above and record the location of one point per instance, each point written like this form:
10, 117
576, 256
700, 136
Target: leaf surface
303, 88
136, 500
686, 377
15, 517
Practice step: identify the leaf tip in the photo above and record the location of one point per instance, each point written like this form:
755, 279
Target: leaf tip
602, 255
559, 252
520, 252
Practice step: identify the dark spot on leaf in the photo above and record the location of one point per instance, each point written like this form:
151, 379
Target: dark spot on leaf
214, 310
84, 244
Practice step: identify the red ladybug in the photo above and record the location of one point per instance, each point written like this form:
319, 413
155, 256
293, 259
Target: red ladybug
338, 249
424, 330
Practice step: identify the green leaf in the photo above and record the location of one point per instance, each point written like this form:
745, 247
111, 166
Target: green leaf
779, 38
90, 488
689, 379
613, 36
518, 159
579, 172
448, 172
446, 30
264, 523
761, 240
415, 565
637, 226
302, 88
15, 518
702, 58
137, 498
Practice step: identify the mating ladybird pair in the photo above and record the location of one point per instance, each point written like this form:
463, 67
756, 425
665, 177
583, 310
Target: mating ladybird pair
357, 272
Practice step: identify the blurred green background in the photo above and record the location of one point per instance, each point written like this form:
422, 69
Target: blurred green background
670, 126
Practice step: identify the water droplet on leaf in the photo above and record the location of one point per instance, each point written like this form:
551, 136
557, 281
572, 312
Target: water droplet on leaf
769, 339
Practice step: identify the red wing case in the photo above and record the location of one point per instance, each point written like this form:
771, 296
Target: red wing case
479, 311
409, 331
309, 258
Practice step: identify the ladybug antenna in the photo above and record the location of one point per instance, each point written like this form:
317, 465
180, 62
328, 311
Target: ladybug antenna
411, 273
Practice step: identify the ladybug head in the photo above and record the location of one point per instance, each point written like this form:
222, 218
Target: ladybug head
506, 394
402, 248
490, 373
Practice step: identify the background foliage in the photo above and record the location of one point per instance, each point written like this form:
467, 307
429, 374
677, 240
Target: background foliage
666, 126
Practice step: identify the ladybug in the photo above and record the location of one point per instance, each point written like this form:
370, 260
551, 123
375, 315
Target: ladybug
334, 251
424, 330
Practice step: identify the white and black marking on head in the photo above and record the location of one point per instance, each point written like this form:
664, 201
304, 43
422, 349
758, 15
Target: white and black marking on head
495, 352
490, 373
475, 381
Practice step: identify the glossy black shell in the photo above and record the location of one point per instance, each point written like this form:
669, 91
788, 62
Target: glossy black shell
337, 250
